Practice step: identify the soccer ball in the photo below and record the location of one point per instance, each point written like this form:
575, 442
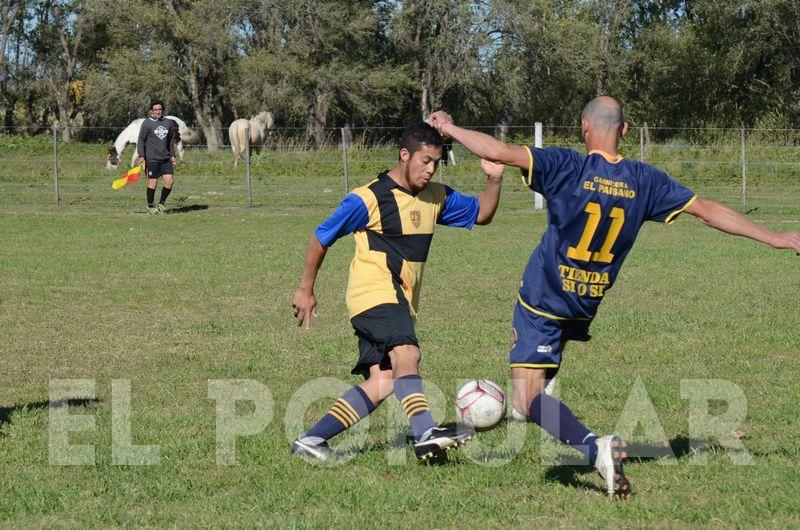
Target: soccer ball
480, 404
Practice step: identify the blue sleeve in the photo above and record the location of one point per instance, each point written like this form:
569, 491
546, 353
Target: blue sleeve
667, 199
458, 210
549, 166
352, 215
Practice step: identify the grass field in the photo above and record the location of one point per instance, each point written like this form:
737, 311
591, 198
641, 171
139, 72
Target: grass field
96, 290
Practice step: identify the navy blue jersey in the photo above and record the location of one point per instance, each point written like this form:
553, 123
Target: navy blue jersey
596, 205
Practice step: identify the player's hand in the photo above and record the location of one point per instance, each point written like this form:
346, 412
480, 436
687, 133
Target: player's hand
139, 161
438, 119
304, 304
172, 159
790, 240
493, 170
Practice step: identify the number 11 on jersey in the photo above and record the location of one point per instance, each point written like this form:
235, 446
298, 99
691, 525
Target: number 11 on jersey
581, 252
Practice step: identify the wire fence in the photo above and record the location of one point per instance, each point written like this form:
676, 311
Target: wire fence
747, 168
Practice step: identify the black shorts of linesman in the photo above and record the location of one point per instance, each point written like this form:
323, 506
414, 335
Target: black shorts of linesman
156, 148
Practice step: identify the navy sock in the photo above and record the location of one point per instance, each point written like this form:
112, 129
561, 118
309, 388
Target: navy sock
348, 409
408, 390
151, 196
554, 417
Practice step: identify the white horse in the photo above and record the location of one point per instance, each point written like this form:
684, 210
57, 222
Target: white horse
130, 135
260, 126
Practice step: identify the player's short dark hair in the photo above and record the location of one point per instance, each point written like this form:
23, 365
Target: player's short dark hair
156, 102
417, 134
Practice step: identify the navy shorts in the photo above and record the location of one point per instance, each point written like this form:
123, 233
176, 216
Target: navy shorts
157, 168
379, 329
538, 341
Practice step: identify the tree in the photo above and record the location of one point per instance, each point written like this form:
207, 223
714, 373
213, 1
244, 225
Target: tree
318, 61
57, 40
9, 11
441, 42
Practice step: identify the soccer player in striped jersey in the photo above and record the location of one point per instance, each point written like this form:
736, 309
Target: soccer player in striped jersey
597, 202
392, 219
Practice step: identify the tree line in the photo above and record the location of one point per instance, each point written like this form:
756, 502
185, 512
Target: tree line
318, 64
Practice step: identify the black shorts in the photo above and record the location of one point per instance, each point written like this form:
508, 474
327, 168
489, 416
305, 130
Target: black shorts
157, 168
379, 329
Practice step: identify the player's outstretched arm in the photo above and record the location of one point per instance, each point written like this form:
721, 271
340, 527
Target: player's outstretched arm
722, 218
304, 302
490, 198
483, 145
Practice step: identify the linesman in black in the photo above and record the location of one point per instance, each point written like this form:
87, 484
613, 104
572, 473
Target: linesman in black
392, 219
156, 149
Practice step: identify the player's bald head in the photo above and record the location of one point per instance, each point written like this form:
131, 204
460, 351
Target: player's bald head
604, 113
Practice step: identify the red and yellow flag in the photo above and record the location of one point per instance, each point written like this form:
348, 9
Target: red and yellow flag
128, 178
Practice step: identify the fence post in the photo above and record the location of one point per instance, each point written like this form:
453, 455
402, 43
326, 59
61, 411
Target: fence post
344, 161
641, 144
538, 201
55, 164
744, 170
247, 164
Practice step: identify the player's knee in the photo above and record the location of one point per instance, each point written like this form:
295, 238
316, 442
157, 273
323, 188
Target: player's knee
405, 355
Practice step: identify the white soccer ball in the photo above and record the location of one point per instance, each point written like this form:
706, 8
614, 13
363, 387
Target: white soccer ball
480, 404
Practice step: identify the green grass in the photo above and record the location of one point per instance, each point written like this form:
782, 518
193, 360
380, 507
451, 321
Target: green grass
96, 290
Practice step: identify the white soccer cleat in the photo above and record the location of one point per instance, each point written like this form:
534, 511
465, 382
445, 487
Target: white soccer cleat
610, 453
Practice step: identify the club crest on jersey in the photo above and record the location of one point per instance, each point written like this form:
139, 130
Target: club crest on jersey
161, 132
416, 218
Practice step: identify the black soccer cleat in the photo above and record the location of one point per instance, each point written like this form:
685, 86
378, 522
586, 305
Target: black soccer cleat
320, 451
441, 439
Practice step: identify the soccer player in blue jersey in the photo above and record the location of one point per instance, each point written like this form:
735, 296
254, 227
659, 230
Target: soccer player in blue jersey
597, 202
392, 219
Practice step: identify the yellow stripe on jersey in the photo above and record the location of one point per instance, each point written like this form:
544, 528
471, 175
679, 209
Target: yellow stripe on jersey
527, 179
671, 217
609, 158
543, 313
392, 249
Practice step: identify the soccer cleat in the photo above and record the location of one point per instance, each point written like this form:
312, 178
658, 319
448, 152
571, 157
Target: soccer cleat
319, 451
152, 210
610, 453
161, 208
442, 439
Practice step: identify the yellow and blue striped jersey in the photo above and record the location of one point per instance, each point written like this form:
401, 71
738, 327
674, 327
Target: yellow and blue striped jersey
393, 229
596, 205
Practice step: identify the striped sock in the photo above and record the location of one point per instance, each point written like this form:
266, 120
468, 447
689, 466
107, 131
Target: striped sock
348, 409
408, 390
